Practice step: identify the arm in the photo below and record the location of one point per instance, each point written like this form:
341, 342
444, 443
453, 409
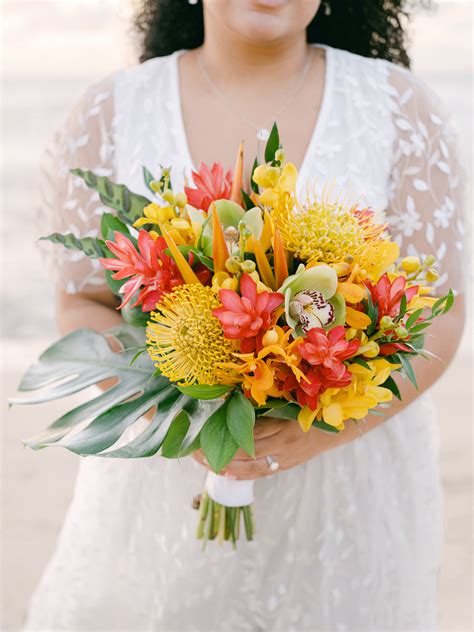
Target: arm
96, 310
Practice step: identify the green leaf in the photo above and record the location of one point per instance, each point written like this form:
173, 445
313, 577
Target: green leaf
84, 358
114, 285
247, 200
241, 421
288, 411
392, 386
204, 391
413, 318
216, 441
408, 369
420, 327
109, 224
449, 301
174, 439
403, 307
128, 205
148, 178
134, 316
253, 184
361, 361
91, 246
324, 426
207, 261
273, 144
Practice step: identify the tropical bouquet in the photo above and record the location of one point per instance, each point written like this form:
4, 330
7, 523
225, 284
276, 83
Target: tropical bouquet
238, 304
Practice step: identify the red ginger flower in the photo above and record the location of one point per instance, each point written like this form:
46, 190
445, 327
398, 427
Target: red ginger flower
211, 185
248, 316
388, 295
148, 266
326, 351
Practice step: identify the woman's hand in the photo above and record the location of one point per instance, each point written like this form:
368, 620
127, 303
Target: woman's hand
282, 439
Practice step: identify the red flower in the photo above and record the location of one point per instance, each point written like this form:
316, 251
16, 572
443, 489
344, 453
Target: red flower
247, 316
148, 267
327, 352
387, 296
211, 184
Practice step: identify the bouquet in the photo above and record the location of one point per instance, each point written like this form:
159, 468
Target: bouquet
238, 304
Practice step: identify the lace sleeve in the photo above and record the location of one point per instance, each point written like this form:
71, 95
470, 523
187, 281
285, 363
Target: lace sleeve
66, 204
425, 193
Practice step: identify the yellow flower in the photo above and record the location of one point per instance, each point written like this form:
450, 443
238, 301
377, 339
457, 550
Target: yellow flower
180, 228
154, 214
353, 401
224, 281
185, 339
257, 372
275, 182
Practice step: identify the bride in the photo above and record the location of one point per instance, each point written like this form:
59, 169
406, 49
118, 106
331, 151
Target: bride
350, 526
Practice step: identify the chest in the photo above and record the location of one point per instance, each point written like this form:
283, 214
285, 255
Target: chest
342, 136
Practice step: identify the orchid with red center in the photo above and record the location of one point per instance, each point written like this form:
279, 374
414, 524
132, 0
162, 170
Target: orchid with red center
327, 351
248, 316
388, 295
211, 184
148, 267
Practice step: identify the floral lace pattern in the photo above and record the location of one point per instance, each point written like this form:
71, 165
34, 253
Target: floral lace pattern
349, 541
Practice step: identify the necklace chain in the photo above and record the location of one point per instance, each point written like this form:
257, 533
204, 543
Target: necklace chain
262, 131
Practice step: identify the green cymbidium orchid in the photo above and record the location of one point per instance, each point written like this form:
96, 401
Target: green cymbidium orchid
312, 300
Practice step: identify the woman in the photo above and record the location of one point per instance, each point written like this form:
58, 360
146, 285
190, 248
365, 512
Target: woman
349, 528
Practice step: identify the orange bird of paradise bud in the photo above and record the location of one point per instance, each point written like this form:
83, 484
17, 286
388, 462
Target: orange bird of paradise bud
235, 195
220, 253
183, 266
265, 271
279, 259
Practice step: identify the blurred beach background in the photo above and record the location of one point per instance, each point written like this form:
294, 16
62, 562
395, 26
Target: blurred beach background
51, 50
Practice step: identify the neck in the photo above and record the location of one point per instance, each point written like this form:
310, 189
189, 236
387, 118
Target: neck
226, 54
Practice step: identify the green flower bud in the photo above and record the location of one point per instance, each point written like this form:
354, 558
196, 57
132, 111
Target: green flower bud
247, 266
430, 260
386, 322
168, 196
233, 264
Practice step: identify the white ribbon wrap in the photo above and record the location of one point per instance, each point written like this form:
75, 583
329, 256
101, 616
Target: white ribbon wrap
228, 492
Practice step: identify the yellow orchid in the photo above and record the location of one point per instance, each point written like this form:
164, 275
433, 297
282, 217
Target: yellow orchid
179, 228
276, 182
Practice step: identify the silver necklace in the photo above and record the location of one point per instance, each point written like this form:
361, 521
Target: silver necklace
262, 131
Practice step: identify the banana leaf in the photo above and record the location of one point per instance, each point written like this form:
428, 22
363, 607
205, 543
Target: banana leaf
84, 358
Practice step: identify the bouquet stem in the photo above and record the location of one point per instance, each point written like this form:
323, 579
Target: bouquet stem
223, 505
219, 522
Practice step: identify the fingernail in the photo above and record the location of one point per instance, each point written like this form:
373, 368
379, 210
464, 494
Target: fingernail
205, 461
231, 477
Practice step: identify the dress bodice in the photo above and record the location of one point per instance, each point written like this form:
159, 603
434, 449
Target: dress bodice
380, 138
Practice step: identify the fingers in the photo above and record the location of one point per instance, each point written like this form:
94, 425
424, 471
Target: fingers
268, 426
247, 470
200, 457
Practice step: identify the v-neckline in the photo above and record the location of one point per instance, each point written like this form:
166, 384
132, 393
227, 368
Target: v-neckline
318, 125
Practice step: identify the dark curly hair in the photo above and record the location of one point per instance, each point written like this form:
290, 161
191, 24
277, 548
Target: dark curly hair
372, 28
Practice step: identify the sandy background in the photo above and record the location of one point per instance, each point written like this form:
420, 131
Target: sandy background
51, 51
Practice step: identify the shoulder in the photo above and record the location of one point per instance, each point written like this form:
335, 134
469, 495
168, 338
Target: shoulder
148, 73
398, 84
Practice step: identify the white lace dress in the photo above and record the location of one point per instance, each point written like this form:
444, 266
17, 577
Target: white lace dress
348, 541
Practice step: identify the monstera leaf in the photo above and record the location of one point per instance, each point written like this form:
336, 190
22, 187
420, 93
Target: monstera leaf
84, 358
129, 205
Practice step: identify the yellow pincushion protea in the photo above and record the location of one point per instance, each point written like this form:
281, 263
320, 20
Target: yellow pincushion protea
184, 339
